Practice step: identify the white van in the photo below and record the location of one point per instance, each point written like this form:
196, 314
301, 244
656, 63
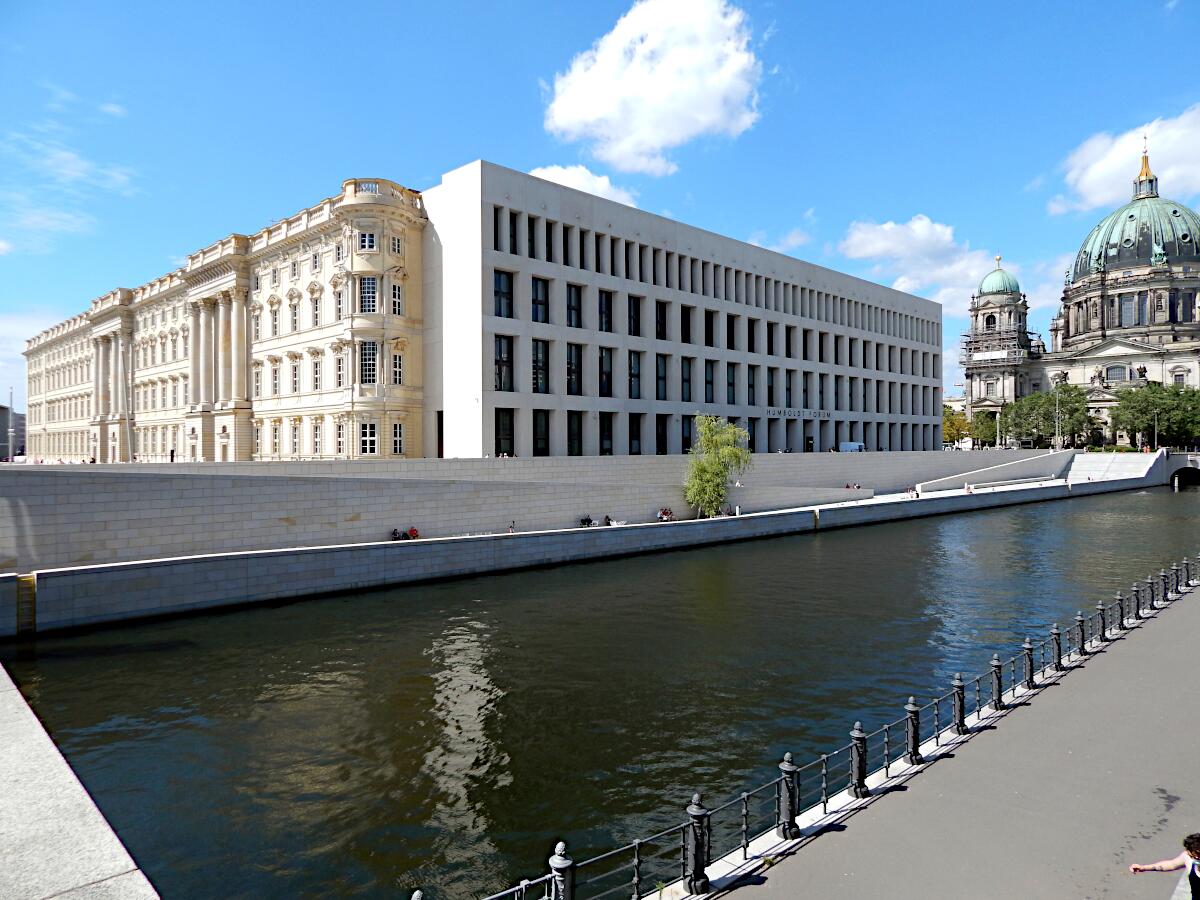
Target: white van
852, 447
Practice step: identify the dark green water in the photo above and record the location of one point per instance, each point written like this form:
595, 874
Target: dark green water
444, 736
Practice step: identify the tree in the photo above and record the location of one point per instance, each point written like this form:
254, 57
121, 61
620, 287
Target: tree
983, 428
1039, 416
1168, 412
719, 454
954, 425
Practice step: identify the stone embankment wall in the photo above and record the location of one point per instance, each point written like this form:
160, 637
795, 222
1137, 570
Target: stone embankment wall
53, 516
1048, 465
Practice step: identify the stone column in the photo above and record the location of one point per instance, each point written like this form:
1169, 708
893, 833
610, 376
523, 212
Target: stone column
118, 374
95, 377
103, 377
222, 367
194, 355
238, 345
204, 384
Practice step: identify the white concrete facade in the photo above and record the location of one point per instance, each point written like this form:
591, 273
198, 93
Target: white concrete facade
496, 314
803, 357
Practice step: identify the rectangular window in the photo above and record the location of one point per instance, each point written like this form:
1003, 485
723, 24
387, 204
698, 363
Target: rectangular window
504, 363
258, 382
635, 316
575, 369
751, 379
274, 381
397, 439
605, 315
513, 247
316, 312
295, 317
315, 264
574, 432
316, 438
770, 387
574, 306
339, 369
710, 368
686, 426
685, 323
257, 286
531, 223
752, 335
731, 332
256, 326
660, 319
787, 389
710, 328
685, 379
504, 431
295, 378
770, 339
661, 423
257, 440
397, 245
660, 376
541, 300
316, 374
397, 368
275, 322
541, 432
295, 269
731, 383
367, 293
549, 242
635, 375
367, 439
275, 440
337, 254
635, 434
502, 294
338, 310
541, 367
606, 434
341, 439
295, 439
274, 277
397, 300
368, 369
366, 240
605, 371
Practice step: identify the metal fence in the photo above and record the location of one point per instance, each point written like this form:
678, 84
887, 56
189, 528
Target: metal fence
684, 851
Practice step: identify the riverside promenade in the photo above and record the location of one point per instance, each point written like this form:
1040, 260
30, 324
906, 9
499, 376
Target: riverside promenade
1088, 774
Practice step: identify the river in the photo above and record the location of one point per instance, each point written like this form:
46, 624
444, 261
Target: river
443, 736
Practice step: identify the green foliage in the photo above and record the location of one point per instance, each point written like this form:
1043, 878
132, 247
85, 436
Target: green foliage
719, 454
1175, 409
954, 426
983, 428
1032, 418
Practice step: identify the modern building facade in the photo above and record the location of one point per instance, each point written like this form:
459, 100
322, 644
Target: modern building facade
1128, 314
495, 313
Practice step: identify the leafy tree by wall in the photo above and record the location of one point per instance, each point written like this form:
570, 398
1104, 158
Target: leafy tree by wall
718, 455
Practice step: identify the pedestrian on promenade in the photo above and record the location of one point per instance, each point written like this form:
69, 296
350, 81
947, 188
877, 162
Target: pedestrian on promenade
1189, 859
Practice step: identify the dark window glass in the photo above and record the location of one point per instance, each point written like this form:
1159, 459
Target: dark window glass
660, 372
549, 242
661, 424
685, 323
787, 389
635, 316
751, 378
635, 375
504, 363
685, 429
710, 328
575, 369
541, 432
770, 387
660, 319
710, 367
685, 380
635, 434
731, 382
513, 247
752, 430
502, 292
496, 228
606, 371
606, 434
574, 432
504, 432
530, 232
770, 338
731, 332
541, 367
788, 335
605, 311
541, 300
574, 306
751, 335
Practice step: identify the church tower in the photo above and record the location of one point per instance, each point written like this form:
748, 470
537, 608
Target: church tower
997, 344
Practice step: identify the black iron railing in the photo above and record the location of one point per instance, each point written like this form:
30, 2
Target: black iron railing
683, 852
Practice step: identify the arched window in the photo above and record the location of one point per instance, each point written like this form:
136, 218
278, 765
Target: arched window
990, 323
1114, 373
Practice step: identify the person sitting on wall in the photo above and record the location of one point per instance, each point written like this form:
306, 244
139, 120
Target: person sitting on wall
413, 534
396, 535
607, 520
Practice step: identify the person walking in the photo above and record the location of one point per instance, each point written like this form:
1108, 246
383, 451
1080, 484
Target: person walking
1189, 859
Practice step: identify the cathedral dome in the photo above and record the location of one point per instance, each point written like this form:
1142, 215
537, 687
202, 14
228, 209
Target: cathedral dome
998, 281
1148, 231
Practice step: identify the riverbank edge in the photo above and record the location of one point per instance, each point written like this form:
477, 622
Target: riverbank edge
55, 841
78, 597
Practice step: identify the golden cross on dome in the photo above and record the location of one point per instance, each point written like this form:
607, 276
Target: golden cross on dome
997, 260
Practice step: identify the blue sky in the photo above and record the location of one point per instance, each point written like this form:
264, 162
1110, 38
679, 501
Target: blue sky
904, 143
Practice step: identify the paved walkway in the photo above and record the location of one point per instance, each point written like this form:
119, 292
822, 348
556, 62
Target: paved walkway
1096, 771
53, 840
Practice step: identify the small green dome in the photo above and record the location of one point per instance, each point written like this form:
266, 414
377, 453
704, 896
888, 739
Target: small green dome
998, 281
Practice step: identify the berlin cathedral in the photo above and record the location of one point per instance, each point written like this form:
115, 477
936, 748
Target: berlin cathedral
1128, 314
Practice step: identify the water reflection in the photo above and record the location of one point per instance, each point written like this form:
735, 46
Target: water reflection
444, 736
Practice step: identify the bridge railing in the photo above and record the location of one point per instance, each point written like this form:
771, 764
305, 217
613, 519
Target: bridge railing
683, 852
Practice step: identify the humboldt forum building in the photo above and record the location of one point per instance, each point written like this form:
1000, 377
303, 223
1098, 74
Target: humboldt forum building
493, 314
1128, 314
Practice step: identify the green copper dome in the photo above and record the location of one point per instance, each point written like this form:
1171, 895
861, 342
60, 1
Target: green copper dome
1148, 231
998, 281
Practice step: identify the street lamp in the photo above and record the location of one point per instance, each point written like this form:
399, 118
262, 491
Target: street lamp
1057, 425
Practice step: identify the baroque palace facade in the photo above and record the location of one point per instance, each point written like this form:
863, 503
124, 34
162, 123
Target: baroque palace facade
494, 313
1128, 315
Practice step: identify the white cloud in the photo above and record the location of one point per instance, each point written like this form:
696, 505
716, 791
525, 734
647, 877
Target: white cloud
113, 109
1100, 171
47, 220
793, 239
922, 257
5, 247
584, 179
669, 71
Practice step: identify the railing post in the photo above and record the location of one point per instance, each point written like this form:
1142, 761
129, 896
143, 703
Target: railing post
1187, 572
959, 703
997, 682
1103, 621
789, 803
1149, 593
1056, 637
1120, 623
912, 732
562, 874
1166, 588
1175, 576
858, 762
417, 895
1027, 650
1136, 592
697, 847
1079, 626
